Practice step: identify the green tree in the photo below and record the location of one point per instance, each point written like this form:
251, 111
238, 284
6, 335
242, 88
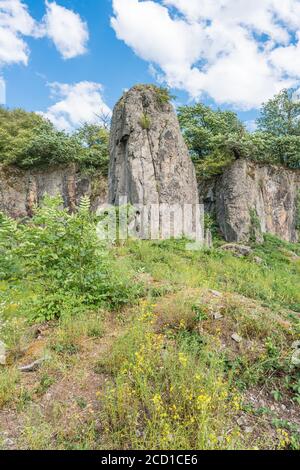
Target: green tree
213, 137
48, 146
280, 116
94, 140
28, 140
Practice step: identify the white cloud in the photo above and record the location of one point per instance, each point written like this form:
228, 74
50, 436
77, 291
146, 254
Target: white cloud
66, 29
15, 22
77, 103
236, 51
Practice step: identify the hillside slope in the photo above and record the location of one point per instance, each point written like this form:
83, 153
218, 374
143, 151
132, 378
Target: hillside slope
201, 355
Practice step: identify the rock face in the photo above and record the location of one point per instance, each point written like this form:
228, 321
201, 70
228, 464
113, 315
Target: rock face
20, 189
251, 199
149, 161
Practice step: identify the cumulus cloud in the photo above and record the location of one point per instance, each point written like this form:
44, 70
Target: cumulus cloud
77, 103
15, 22
238, 52
66, 29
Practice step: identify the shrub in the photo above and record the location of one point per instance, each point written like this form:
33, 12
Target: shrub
66, 264
27, 140
145, 121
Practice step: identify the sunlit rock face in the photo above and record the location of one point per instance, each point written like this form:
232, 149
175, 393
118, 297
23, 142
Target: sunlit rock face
150, 164
21, 190
250, 199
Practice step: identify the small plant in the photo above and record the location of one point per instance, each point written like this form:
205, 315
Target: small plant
200, 314
45, 383
145, 121
163, 95
9, 379
255, 226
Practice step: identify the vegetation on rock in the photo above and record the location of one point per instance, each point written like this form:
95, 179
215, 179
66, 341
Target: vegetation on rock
217, 138
27, 140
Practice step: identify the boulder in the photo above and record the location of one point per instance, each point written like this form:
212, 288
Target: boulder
237, 250
2, 354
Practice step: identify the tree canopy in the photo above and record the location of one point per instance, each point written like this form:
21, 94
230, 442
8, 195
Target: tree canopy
28, 140
216, 138
280, 116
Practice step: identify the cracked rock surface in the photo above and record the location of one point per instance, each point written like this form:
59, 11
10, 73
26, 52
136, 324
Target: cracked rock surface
149, 160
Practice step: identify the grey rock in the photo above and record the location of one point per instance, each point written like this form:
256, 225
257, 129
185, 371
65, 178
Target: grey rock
238, 250
258, 260
7, 443
296, 345
215, 293
237, 338
248, 429
33, 366
208, 239
217, 316
150, 163
21, 190
295, 359
2, 353
241, 421
246, 188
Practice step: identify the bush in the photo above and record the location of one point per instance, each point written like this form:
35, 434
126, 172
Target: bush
217, 138
145, 122
67, 267
28, 140
165, 394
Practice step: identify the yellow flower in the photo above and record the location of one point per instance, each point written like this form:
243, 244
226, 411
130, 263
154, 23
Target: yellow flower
203, 401
183, 359
284, 438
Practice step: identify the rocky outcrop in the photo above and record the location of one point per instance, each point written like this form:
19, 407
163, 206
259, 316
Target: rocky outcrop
251, 199
20, 189
149, 161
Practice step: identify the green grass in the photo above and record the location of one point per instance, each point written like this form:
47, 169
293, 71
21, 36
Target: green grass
173, 378
275, 282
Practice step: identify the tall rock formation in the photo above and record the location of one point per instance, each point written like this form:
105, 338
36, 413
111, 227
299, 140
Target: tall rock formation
250, 199
149, 161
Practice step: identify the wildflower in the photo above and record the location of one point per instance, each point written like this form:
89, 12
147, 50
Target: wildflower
157, 400
284, 438
236, 402
203, 401
183, 359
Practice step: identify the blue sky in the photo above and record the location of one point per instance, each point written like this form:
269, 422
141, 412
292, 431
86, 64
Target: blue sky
107, 60
234, 57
